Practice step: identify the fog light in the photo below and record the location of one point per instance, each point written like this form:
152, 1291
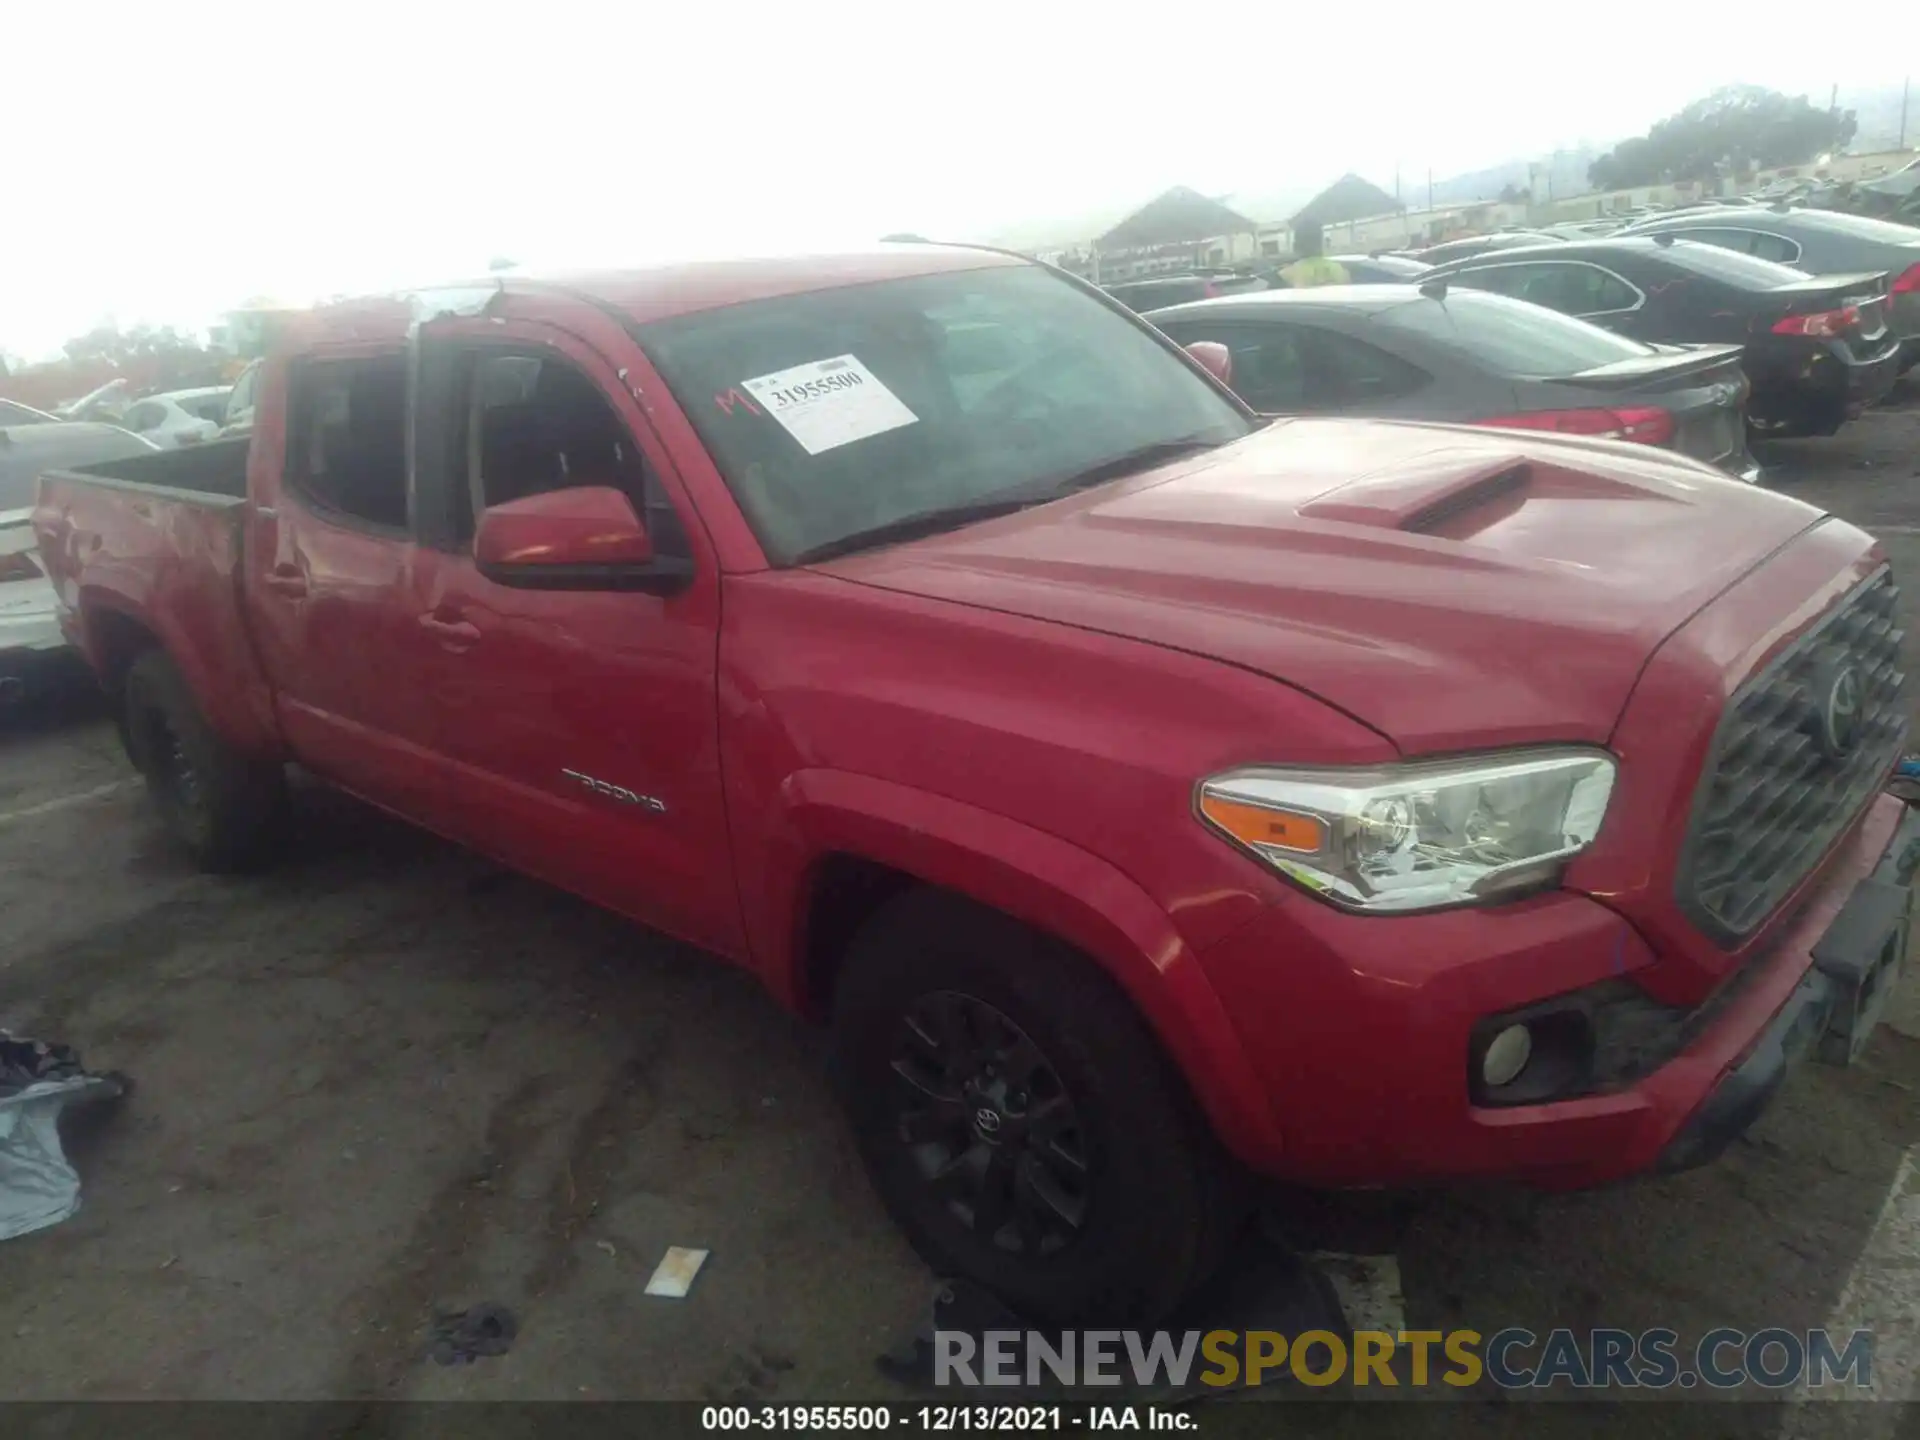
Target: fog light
1507, 1055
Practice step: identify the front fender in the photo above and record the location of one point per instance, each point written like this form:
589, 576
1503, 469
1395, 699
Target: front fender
1054, 886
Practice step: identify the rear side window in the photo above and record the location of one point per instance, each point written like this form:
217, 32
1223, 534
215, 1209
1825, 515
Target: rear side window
1350, 372
1511, 337
347, 440
1744, 272
1760, 243
1269, 360
1571, 288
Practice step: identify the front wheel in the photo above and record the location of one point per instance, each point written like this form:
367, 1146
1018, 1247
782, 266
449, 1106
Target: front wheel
1019, 1120
222, 805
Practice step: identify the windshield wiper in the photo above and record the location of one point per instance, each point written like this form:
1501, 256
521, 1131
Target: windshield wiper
912, 527
1143, 457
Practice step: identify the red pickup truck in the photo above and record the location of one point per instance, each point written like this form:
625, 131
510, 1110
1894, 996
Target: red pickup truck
1151, 797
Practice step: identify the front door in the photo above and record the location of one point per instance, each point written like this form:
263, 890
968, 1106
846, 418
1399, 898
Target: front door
579, 727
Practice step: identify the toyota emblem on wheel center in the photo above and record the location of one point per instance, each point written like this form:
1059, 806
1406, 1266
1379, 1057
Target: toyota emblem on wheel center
1840, 713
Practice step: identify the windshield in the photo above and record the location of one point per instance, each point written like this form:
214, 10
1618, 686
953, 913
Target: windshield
1513, 337
839, 411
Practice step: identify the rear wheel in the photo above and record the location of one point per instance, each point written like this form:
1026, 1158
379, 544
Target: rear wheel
1019, 1120
222, 805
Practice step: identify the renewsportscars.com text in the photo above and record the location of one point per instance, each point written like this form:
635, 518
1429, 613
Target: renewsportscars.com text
1514, 1359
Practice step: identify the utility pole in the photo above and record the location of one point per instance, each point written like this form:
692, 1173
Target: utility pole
1905, 86
1429, 187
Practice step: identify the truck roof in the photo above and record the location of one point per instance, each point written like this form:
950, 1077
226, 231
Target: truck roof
660, 291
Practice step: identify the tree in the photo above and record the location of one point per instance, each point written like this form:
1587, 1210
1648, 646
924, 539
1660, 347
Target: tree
156, 357
110, 343
1512, 194
1740, 127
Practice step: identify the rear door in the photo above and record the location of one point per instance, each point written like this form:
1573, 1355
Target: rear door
578, 728
328, 556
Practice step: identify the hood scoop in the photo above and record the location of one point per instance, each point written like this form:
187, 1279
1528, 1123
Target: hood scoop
1427, 495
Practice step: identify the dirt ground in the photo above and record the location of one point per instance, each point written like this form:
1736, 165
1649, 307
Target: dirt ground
388, 1077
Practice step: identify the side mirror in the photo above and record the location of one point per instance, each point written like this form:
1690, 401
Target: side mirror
1215, 358
588, 538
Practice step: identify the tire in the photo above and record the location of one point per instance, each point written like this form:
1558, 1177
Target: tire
1076, 1076
225, 807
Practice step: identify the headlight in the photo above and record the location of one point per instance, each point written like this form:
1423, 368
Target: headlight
1418, 836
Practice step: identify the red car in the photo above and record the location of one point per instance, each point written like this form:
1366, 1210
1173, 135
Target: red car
1148, 795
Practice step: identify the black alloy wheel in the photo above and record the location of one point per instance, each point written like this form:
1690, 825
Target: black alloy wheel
989, 1125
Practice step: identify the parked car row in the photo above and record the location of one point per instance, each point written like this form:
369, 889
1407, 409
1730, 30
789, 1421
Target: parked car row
1818, 349
1402, 352
1714, 336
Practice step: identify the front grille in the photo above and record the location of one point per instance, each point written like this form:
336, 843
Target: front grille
1777, 790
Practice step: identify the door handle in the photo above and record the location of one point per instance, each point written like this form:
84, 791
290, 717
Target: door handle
454, 634
286, 580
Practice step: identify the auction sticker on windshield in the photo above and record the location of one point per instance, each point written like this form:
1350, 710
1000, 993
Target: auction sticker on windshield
825, 404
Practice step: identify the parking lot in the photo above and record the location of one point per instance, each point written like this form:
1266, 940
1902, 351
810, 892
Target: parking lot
387, 1078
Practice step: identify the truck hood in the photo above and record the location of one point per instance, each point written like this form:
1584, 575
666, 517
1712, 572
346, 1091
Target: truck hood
1452, 588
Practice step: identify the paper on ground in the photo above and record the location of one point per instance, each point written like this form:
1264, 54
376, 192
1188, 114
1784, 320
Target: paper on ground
825, 404
673, 1276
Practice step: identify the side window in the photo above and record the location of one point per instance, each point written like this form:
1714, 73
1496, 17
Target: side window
241, 398
1570, 288
535, 425
1599, 291
1776, 248
1269, 368
1500, 279
1759, 243
144, 417
346, 443
1345, 373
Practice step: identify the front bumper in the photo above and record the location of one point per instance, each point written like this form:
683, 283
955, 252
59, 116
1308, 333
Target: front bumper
1830, 1014
1360, 1027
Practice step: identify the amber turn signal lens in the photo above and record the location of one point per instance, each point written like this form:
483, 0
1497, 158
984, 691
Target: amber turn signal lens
1257, 825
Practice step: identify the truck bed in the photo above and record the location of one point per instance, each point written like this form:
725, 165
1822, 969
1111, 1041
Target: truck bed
150, 550
216, 471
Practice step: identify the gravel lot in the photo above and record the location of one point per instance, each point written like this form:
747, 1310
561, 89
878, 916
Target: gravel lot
389, 1077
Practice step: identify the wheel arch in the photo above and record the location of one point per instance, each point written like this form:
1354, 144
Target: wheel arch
857, 841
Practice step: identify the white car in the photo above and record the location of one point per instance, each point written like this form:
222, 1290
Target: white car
179, 417
31, 645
